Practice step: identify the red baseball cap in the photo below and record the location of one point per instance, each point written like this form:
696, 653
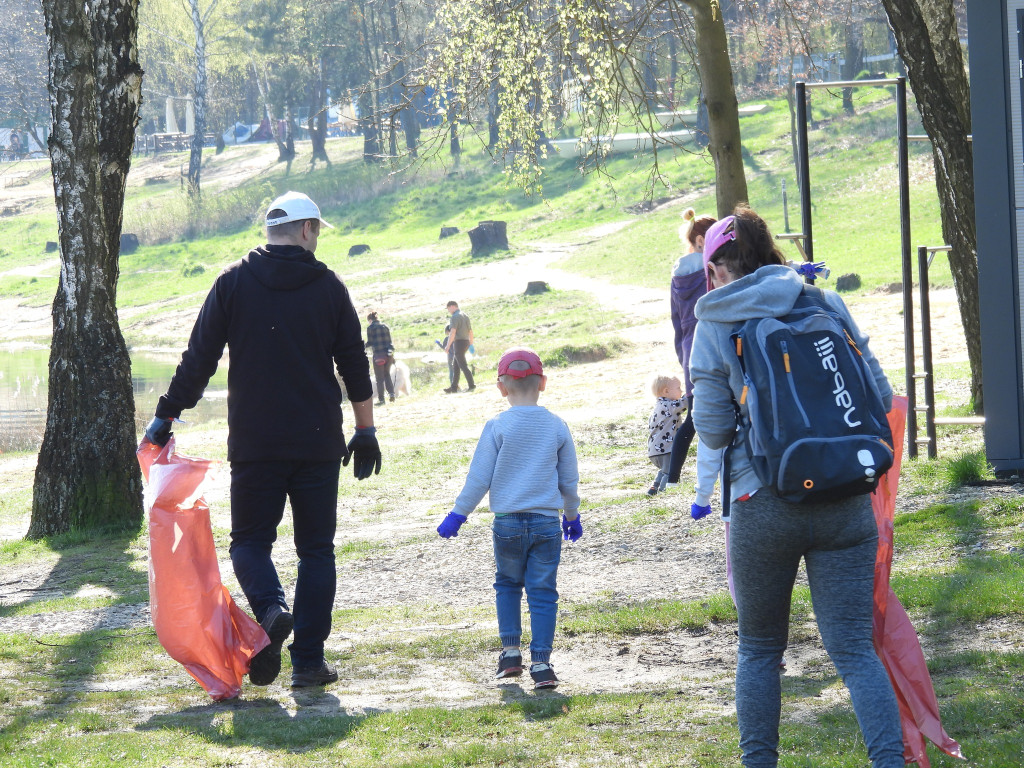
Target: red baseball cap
523, 355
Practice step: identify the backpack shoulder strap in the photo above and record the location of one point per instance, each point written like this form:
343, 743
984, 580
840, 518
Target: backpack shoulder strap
812, 295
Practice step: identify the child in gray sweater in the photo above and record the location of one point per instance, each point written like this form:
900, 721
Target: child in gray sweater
526, 459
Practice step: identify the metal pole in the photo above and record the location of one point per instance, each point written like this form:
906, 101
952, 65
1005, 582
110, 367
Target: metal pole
785, 205
803, 168
926, 351
907, 262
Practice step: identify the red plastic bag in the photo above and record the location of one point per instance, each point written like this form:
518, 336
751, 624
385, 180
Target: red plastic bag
896, 641
196, 621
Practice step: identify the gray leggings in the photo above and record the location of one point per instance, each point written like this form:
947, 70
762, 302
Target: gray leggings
837, 541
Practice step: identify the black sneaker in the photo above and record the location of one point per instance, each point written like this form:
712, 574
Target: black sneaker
322, 675
653, 490
543, 675
266, 665
471, 387
510, 664
451, 390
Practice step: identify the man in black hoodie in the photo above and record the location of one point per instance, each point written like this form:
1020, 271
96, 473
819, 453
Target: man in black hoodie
288, 321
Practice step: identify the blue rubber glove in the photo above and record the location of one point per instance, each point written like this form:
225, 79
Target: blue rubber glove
450, 525
159, 431
572, 529
697, 511
363, 446
814, 270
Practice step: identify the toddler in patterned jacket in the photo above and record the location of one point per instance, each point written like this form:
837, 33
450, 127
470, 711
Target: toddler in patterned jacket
663, 424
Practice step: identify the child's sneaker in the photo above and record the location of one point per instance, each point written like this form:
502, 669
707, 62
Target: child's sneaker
653, 490
543, 675
510, 664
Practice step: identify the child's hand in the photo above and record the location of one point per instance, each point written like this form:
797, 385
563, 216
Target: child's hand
697, 511
450, 525
572, 529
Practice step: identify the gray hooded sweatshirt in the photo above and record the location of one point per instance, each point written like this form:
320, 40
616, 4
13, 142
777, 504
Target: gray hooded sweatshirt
717, 379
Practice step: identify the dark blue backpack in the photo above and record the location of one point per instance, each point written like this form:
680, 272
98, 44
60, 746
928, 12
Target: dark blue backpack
817, 426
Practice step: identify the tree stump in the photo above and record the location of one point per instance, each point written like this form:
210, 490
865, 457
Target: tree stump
448, 232
536, 286
488, 236
129, 242
355, 250
850, 282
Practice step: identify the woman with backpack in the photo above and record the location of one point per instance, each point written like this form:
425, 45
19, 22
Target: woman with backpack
837, 539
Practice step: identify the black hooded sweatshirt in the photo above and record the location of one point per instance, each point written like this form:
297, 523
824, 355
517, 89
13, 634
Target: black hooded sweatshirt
286, 318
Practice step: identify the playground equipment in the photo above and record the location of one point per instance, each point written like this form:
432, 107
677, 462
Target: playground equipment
804, 242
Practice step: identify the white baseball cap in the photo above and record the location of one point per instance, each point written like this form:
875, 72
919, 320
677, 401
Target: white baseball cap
296, 207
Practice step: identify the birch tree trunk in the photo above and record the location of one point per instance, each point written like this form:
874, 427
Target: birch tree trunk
195, 158
87, 474
928, 42
723, 110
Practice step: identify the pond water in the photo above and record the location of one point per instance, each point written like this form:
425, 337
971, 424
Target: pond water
24, 374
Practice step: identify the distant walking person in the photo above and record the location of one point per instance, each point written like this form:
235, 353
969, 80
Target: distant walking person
288, 322
460, 337
768, 537
378, 341
689, 283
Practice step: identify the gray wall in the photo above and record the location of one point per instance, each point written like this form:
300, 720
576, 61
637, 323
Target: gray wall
998, 130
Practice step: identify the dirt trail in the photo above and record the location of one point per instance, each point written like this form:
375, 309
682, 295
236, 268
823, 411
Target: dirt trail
617, 561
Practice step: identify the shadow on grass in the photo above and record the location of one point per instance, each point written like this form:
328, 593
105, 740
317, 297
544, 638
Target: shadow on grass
535, 705
99, 558
319, 721
57, 669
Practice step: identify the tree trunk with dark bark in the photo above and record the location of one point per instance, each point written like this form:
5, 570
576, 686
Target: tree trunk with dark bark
853, 56
723, 110
368, 127
316, 123
928, 42
87, 474
408, 111
493, 112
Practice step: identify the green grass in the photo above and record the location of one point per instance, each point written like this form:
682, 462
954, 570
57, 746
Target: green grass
651, 616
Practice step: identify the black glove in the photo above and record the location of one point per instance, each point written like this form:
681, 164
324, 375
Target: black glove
366, 452
159, 431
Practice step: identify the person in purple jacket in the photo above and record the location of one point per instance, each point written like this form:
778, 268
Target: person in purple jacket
289, 323
689, 283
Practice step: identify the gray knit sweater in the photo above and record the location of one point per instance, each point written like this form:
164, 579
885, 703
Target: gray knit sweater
526, 459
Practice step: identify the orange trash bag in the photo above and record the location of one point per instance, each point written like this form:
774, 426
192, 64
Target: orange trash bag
896, 641
196, 621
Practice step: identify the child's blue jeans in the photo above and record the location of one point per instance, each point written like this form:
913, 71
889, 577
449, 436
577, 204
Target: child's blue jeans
527, 550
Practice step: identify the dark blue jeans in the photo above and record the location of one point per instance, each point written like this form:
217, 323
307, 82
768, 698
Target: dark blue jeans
527, 550
258, 493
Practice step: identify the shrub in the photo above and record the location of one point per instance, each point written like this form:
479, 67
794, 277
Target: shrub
967, 467
192, 269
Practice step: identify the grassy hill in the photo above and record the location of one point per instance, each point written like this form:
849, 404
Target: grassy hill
853, 172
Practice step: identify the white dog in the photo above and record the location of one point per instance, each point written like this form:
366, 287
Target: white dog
399, 377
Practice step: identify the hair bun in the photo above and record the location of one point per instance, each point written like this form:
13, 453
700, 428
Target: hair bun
689, 214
